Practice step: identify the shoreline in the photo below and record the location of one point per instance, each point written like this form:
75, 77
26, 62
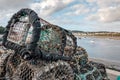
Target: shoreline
112, 68
109, 64
102, 37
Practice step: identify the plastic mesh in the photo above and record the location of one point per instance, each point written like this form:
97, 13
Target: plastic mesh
89, 73
100, 67
49, 40
23, 72
52, 71
26, 73
52, 39
55, 71
18, 31
70, 48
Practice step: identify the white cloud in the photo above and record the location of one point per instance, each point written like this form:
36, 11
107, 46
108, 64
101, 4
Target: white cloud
92, 17
43, 8
107, 3
78, 9
110, 14
91, 1
0, 16
5, 16
9, 7
48, 7
114, 27
13, 4
96, 10
108, 11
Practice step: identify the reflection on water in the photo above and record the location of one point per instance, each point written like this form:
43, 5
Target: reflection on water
108, 49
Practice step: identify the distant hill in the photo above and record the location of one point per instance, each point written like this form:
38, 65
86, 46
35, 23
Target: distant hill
93, 31
99, 33
2, 29
77, 31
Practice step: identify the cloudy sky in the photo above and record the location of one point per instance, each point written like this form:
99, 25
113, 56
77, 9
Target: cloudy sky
84, 15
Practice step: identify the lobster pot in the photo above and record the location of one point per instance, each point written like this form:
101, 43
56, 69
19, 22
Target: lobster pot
18, 31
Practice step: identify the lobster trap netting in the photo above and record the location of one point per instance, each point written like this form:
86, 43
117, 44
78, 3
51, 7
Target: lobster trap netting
52, 71
3, 61
23, 72
13, 61
71, 44
56, 71
88, 72
101, 68
52, 39
81, 56
18, 30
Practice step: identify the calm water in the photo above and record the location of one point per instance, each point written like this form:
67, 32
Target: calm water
107, 49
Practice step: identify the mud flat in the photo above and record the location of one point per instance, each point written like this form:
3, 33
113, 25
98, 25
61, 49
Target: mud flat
113, 68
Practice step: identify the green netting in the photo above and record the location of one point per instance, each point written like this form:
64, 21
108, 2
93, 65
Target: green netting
49, 40
91, 75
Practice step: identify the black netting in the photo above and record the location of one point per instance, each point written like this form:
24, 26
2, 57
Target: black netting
56, 71
71, 43
50, 71
89, 77
23, 72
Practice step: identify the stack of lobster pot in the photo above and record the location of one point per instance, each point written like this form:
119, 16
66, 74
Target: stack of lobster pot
34, 49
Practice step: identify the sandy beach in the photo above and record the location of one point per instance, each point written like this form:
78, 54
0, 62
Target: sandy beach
112, 74
108, 64
112, 68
